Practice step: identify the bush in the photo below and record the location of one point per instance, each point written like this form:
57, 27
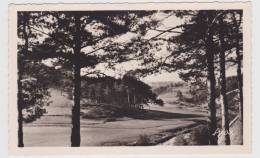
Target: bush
200, 136
181, 140
33, 113
179, 95
34, 97
109, 119
143, 140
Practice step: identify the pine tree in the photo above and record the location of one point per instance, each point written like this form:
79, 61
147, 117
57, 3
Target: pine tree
239, 48
23, 23
71, 32
32, 86
192, 54
223, 92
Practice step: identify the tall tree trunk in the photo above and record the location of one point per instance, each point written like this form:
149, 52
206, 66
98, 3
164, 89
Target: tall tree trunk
134, 99
240, 87
75, 134
211, 85
222, 62
239, 67
128, 99
211, 101
19, 82
20, 114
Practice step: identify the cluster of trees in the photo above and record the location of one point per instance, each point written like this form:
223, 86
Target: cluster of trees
202, 48
168, 88
221, 36
126, 93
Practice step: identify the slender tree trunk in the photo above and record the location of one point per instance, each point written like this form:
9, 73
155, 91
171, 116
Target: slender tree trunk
240, 87
134, 102
20, 114
20, 74
211, 102
75, 134
222, 62
131, 101
239, 72
211, 86
128, 99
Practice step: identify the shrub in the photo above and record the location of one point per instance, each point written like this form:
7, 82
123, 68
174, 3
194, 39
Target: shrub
181, 140
35, 96
200, 136
109, 119
143, 140
179, 95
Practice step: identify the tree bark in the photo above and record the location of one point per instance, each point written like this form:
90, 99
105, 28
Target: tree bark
211, 101
240, 87
239, 72
19, 82
75, 134
128, 99
213, 137
20, 115
222, 65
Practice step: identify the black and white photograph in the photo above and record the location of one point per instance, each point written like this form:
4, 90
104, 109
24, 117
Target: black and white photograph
130, 77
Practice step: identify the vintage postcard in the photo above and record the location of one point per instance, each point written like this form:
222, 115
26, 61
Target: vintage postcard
140, 78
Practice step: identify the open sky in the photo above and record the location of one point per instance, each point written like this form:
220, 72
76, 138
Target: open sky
167, 22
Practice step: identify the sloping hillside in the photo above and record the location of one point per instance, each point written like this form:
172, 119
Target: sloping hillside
183, 96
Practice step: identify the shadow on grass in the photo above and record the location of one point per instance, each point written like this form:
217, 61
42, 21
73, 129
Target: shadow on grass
160, 115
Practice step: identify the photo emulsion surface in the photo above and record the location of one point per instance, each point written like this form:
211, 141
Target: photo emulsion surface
93, 78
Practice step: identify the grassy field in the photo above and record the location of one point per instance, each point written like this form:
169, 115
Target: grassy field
54, 128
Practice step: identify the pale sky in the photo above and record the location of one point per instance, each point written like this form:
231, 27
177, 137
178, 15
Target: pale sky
165, 76
168, 22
